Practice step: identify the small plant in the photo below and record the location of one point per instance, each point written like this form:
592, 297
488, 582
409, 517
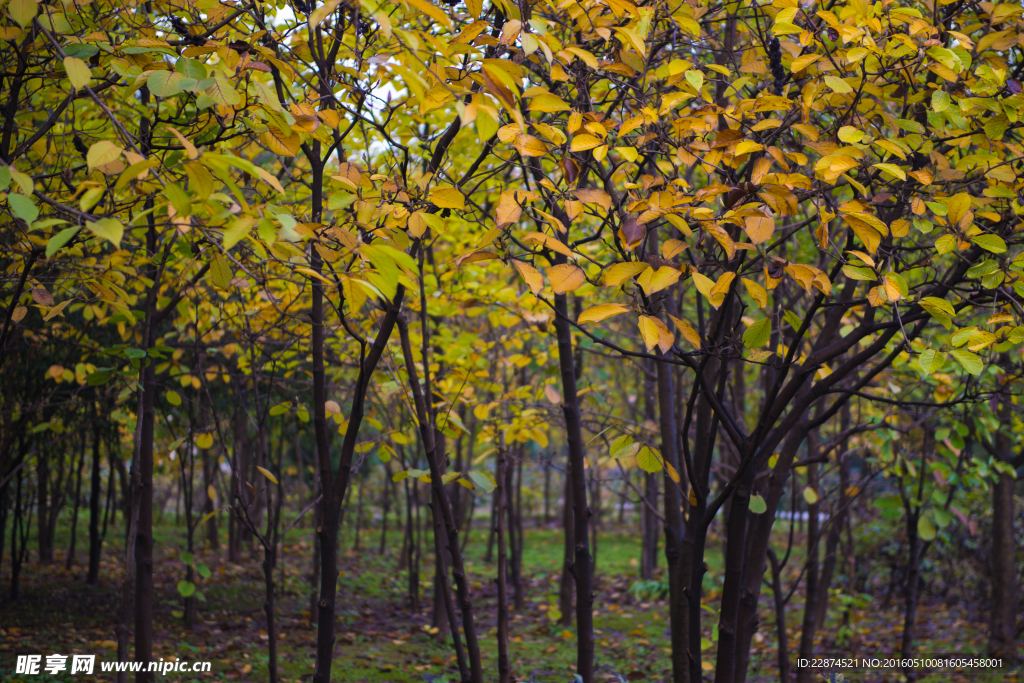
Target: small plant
187, 588
647, 590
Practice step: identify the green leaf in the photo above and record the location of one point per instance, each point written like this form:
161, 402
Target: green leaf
757, 504
109, 229
925, 528
237, 231
173, 397
165, 83
279, 409
932, 361
186, 557
649, 460
221, 272
203, 570
179, 199
758, 334
940, 101
23, 207
858, 273
810, 495
186, 588
970, 361
989, 242
483, 480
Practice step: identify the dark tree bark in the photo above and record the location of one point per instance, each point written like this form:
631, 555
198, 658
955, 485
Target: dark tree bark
504, 665
566, 589
440, 496
69, 561
810, 617
679, 572
1002, 638
780, 617
95, 539
577, 475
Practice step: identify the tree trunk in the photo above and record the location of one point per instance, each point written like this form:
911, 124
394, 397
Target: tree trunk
581, 513
69, 561
1002, 637
144, 535
44, 539
780, 618
504, 666
566, 591
95, 541
443, 510
679, 572
810, 619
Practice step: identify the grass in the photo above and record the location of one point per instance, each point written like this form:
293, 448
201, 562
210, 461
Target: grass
380, 639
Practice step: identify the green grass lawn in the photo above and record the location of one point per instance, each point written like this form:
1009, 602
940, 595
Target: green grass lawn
380, 639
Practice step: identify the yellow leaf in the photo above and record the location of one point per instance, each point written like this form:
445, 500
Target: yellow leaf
621, 272
760, 228
652, 281
600, 312
583, 142
448, 197
723, 238
529, 146
204, 440
551, 243
589, 195
892, 169
532, 276
546, 102
703, 284
802, 62
102, 153
190, 149
566, 277
266, 473
838, 85
473, 256
655, 333
509, 207
892, 289
78, 72
281, 143
552, 395
432, 11
721, 288
756, 292
689, 334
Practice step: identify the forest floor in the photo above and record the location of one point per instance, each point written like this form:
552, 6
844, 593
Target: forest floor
380, 639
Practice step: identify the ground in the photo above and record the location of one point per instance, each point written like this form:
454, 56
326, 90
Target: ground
379, 639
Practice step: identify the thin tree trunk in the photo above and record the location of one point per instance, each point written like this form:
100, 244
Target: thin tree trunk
1002, 637
95, 540
566, 589
504, 666
70, 559
810, 618
581, 513
780, 617
436, 483
679, 572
